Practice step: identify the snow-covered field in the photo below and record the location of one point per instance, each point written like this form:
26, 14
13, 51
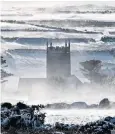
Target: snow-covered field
75, 116
25, 29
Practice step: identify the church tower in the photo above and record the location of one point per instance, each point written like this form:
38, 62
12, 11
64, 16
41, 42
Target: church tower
58, 60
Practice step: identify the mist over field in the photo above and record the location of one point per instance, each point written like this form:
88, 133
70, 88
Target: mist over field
25, 29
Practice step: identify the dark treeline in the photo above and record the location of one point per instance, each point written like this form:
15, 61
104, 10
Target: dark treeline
25, 119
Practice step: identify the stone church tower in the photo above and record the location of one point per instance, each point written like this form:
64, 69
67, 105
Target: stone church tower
58, 72
58, 61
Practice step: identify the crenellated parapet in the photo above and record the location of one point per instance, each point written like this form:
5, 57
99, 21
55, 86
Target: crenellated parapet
58, 49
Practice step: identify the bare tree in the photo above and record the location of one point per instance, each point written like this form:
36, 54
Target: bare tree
3, 72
